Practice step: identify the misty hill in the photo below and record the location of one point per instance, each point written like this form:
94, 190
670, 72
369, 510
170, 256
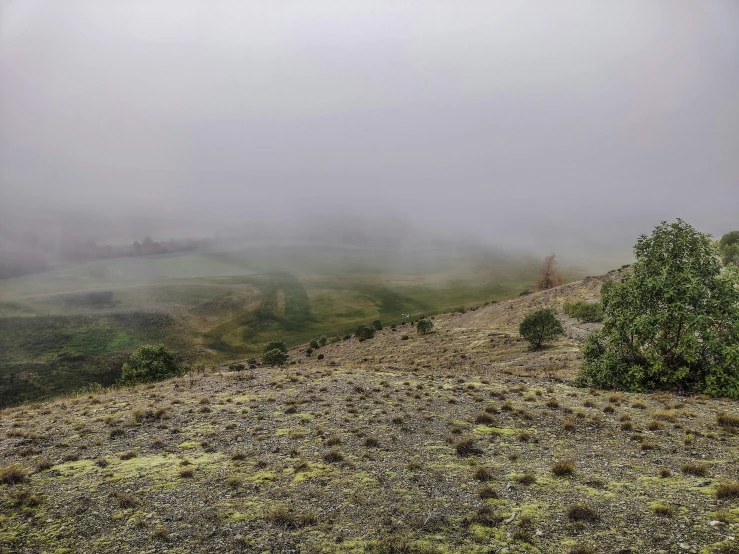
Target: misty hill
462, 440
74, 325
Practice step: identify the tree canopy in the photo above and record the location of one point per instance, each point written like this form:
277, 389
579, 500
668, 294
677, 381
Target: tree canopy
149, 363
672, 321
540, 326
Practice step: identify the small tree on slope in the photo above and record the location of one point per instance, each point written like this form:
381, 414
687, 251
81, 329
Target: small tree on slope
549, 277
673, 321
540, 326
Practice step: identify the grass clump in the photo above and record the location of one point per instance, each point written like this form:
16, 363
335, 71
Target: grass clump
467, 446
333, 456
483, 473
484, 418
563, 468
662, 509
727, 420
727, 490
582, 512
694, 468
13, 474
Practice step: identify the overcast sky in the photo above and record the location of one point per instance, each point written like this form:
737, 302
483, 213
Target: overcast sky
552, 122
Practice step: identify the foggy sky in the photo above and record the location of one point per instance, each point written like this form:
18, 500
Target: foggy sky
549, 123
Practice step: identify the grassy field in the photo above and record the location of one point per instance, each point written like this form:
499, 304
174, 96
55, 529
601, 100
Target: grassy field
57, 335
460, 441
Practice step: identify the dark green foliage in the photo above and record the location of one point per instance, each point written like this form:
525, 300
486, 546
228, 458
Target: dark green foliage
149, 363
728, 248
323, 341
585, 312
377, 324
279, 345
364, 332
540, 326
424, 326
274, 357
672, 321
314, 345
525, 292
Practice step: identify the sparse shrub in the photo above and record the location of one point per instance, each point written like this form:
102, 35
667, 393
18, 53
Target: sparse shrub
483, 473
274, 357
582, 512
279, 345
128, 455
540, 326
484, 418
333, 440
371, 442
583, 549
549, 276
525, 478
727, 420
424, 326
562, 468
333, 456
487, 491
43, 464
187, 472
149, 363
671, 322
404, 337
377, 324
664, 473
694, 468
727, 490
314, 345
126, 500
584, 312
13, 474
364, 332
486, 515
467, 446
662, 509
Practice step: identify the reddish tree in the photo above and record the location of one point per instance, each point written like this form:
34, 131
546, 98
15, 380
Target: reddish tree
549, 276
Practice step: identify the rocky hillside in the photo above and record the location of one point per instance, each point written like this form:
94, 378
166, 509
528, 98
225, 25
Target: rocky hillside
459, 441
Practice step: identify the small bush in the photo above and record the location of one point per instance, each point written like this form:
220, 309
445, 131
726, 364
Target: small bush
662, 509
314, 345
540, 326
274, 357
525, 478
149, 363
279, 345
377, 324
424, 326
364, 332
584, 312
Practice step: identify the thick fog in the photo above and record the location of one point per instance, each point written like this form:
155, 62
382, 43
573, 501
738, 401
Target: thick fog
565, 126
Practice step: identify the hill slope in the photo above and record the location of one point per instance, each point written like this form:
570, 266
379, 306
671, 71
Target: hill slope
442, 443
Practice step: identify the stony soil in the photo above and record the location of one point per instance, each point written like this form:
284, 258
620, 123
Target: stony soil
439, 443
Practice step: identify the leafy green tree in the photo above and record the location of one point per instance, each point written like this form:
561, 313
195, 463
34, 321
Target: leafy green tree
672, 321
274, 357
728, 248
540, 326
149, 363
364, 332
279, 345
424, 326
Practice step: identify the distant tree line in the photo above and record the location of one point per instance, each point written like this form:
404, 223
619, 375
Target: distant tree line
89, 250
